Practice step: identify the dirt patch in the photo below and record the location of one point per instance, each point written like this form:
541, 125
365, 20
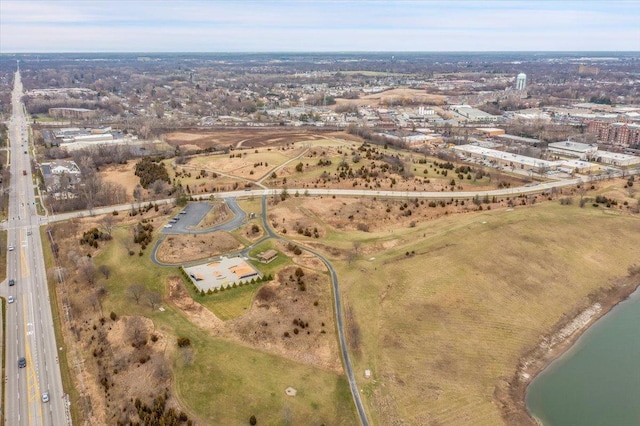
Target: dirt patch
196, 313
510, 393
178, 249
292, 317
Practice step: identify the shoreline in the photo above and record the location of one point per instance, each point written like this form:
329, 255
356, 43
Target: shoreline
510, 393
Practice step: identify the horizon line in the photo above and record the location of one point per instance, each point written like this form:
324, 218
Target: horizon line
316, 51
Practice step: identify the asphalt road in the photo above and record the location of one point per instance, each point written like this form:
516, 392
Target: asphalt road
29, 324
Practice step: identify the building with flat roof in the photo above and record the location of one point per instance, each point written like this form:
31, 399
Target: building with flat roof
473, 115
580, 150
500, 158
223, 272
520, 139
616, 159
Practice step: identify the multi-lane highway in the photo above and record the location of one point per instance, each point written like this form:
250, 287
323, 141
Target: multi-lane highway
29, 323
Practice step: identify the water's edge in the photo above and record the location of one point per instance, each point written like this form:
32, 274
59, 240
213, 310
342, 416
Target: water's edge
510, 392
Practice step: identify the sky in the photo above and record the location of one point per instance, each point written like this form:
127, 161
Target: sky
317, 26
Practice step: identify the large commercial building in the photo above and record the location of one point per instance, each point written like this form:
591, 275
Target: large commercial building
496, 158
616, 159
582, 151
473, 115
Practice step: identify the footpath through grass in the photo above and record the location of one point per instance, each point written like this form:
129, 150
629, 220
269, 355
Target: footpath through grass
218, 380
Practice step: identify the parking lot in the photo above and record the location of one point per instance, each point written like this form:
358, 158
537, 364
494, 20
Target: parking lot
194, 213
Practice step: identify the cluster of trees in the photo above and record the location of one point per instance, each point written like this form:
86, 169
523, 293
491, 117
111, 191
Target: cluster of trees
92, 236
150, 170
143, 234
157, 414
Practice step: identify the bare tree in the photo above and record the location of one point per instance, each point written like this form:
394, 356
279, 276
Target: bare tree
107, 223
138, 193
154, 299
135, 291
356, 247
161, 372
136, 332
105, 270
87, 270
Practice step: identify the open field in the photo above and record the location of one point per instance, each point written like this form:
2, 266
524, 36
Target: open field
329, 161
122, 174
448, 307
222, 139
396, 95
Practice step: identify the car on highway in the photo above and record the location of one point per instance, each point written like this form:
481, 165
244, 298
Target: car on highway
22, 362
12, 282
45, 397
28, 232
10, 248
11, 299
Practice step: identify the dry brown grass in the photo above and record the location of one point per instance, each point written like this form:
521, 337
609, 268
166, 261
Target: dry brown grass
445, 310
178, 249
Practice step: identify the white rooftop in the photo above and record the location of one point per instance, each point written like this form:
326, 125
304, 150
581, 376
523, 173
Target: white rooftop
573, 146
506, 156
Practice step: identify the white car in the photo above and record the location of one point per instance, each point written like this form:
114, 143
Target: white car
10, 248
45, 397
168, 225
11, 299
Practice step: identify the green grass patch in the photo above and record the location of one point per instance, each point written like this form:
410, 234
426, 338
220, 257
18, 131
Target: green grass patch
227, 304
246, 382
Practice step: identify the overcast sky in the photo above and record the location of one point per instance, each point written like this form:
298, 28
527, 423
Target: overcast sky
276, 26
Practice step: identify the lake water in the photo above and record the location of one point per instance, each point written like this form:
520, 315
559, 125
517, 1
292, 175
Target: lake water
597, 382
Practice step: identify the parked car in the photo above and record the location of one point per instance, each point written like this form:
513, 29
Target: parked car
168, 225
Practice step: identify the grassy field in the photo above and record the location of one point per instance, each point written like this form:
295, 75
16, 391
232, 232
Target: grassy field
447, 312
225, 383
